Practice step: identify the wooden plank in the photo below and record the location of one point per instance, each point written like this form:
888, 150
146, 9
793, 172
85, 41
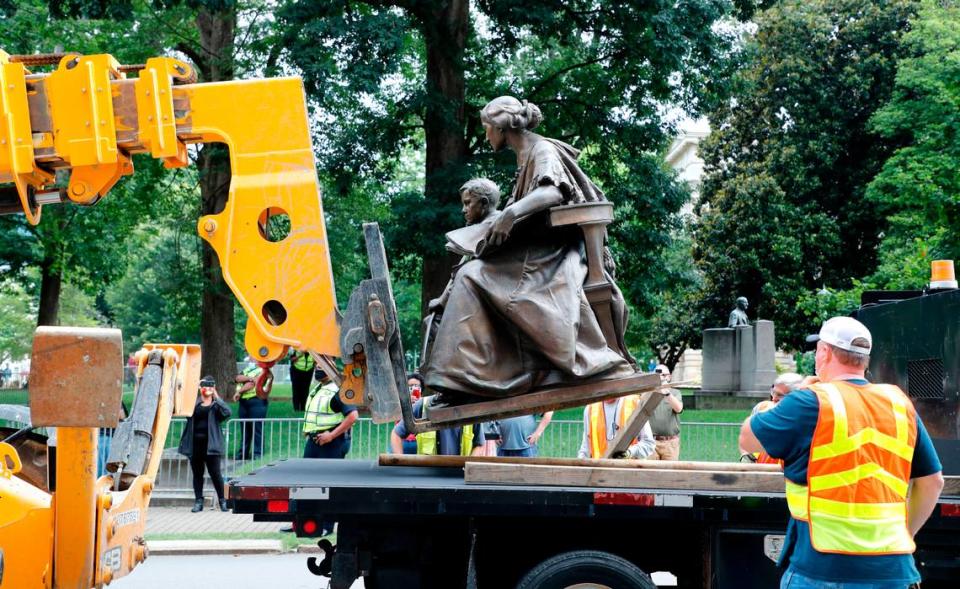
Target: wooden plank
537, 402
951, 487
635, 423
479, 473
461, 461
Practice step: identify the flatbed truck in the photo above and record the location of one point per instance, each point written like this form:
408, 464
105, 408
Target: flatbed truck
403, 526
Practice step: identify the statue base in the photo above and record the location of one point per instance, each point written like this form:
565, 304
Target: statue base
739, 359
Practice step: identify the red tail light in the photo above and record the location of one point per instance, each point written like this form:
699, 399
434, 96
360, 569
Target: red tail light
950, 509
278, 506
638, 499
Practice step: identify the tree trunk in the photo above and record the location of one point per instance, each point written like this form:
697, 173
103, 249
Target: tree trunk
217, 333
50, 282
445, 33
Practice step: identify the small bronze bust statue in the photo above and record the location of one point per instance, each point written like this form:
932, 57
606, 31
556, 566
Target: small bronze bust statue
738, 317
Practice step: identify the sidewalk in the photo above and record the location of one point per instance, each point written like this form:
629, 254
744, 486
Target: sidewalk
179, 520
210, 531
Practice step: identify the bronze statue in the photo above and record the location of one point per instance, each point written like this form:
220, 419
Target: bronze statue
515, 315
738, 317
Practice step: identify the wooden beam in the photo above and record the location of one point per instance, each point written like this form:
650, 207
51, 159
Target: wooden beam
478, 473
461, 461
951, 487
543, 400
636, 421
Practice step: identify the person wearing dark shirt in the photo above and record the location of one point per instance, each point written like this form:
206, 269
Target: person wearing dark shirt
202, 442
850, 451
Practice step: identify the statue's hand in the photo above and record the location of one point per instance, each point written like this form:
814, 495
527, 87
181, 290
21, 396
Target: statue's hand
500, 230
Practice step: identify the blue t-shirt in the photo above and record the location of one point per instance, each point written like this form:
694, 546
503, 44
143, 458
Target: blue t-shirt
448, 440
786, 432
514, 432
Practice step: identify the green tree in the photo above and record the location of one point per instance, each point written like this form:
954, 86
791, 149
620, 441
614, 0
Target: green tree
783, 209
918, 187
385, 75
158, 297
80, 245
17, 320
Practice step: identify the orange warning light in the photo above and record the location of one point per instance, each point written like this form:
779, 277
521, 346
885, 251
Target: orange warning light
942, 274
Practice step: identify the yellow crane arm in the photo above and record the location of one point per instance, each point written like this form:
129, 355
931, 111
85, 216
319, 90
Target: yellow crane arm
88, 117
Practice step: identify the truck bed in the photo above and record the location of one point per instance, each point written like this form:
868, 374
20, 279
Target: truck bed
355, 487
417, 526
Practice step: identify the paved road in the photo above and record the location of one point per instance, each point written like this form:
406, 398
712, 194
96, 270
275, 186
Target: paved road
286, 571
280, 571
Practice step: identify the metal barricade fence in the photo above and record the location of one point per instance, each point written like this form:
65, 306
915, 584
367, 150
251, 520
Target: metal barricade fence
282, 439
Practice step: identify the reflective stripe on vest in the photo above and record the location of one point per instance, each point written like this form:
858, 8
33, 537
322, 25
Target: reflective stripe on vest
598, 422
427, 442
318, 416
303, 362
858, 471
252, 372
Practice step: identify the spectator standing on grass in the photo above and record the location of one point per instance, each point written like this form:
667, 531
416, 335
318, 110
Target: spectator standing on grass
862, 475
468, 440
250, 406
301, 373
202, 442
519, 435
415, 388
601, 422
665, 421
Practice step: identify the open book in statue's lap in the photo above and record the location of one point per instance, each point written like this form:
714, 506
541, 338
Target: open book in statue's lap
515, 316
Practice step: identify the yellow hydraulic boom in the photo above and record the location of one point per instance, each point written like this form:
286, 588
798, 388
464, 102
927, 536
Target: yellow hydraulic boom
86, 531
89, 117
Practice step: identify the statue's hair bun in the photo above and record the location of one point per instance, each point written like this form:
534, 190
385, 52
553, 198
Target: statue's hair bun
506, 112
532, 117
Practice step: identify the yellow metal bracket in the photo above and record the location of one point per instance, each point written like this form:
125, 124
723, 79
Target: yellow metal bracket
185, 360
155, 112
81, 104
9, 460
16, 142
283, 279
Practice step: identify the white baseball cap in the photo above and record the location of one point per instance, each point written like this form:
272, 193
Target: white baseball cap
841, 331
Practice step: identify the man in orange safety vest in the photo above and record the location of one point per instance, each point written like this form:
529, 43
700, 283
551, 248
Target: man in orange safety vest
851, 451
601, 422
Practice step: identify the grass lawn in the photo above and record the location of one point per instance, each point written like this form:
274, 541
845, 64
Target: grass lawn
700, 439
289, 541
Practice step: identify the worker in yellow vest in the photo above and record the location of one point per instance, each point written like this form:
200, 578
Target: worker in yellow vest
327, 420
601, 422
468, 440
301, 374
851, 450
250, 407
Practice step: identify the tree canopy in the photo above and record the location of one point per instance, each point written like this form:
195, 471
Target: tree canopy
784, 209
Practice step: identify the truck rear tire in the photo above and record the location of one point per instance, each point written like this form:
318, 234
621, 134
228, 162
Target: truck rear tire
586, 568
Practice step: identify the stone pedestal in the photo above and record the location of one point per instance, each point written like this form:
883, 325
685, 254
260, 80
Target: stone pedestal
739, 359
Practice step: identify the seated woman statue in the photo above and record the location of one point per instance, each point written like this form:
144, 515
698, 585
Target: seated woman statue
516, 317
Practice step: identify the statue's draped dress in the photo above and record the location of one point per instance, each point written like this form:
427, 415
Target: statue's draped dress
517, 318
